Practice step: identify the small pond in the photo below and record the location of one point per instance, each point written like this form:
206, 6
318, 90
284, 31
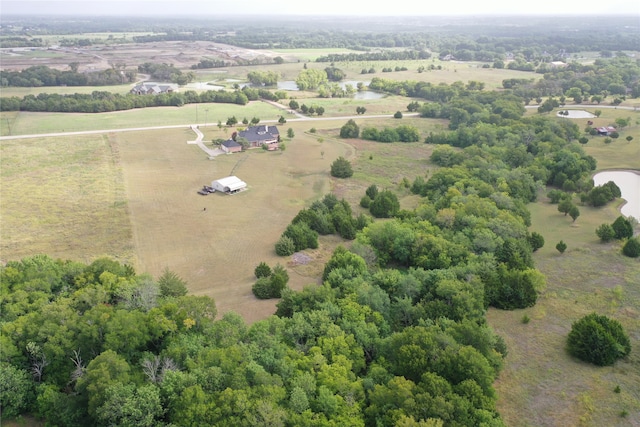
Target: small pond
365, 94
629, 183
575, 114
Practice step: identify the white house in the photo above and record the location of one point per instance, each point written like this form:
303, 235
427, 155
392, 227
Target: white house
229, 185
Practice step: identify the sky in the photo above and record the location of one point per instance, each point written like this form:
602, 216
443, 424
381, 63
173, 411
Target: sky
322, 7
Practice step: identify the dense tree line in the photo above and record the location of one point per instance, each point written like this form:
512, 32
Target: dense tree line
403, 133
41, 75
101, 101
387, 55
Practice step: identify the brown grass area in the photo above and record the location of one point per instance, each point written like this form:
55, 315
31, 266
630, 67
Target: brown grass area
64, 197
215, 250
541, 385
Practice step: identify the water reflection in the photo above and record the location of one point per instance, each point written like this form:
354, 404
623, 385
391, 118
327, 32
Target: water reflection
629, 183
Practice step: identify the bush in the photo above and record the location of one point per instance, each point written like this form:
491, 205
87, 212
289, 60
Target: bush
385, 205
262, 288
350, 130
605, 233
632, 248
365, 202
561, 246
622, 228
536, 241
599, 340
262, 270
341, 168
171, 285
285, 246
397, 115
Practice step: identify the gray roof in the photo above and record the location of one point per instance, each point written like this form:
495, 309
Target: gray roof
260, 133
230, 143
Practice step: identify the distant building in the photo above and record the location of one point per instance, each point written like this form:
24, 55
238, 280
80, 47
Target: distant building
229, 185
557, 64
153, 88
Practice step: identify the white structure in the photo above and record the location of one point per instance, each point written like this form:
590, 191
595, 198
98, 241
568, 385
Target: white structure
229, 185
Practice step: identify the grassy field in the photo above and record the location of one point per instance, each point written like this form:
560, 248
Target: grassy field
22, 123
64, 197
541, 385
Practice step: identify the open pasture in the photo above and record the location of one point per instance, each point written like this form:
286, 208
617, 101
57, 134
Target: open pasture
64, 197
27, 123
541, 385
214, 242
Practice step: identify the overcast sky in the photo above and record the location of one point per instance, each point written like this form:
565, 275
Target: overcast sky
319, 7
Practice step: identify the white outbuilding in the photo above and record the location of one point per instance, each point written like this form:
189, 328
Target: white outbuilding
229, 185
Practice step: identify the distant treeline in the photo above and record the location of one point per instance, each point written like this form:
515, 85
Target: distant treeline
11, 42
376, 56
41, 75
102, 101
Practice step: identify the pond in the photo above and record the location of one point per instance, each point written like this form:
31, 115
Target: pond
629, 183
365, 94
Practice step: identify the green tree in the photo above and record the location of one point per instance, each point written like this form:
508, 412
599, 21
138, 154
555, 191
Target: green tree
171, 285
565, 205
536, 240
605, 232
16, 390
622, 228
282, 120
632, 247
102, 372
232, 121
293, 104
561, 246
341, 168
350, 130
129, 406
285, 246
290, 133
385, 205
397, 115
599, 340
262, 270
310, 79
372, 191
574, 212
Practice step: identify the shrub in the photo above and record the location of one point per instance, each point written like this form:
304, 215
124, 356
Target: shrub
285, 246
350, 130
262, 288
561, 246
341, 168
599, 340
397, 115
536, 241
365, 202
632, 248
372, 191
262, 270
385, 205
622, 228
605, 233
171, 285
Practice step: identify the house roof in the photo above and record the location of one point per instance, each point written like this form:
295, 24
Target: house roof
260, 133
232, 183
154, 87
230, 143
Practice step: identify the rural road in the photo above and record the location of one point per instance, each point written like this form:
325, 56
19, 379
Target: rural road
90, 132
299, 118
